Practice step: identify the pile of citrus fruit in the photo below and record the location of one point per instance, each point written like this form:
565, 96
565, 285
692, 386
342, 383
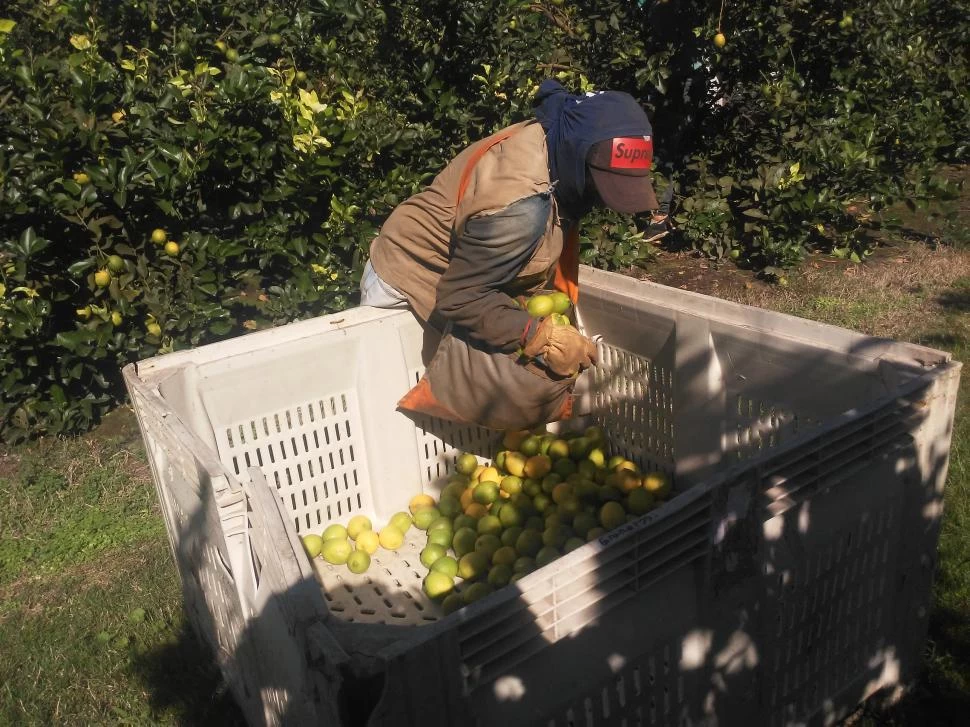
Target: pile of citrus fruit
543, 496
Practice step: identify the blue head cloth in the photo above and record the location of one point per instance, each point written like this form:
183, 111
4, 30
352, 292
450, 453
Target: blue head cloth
572, 125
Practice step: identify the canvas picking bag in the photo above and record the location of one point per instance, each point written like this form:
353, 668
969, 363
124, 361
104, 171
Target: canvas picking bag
469, 382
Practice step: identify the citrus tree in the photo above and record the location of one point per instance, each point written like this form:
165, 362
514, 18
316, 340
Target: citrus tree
176, 172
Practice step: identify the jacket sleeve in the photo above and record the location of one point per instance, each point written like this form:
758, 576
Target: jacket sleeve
489, 254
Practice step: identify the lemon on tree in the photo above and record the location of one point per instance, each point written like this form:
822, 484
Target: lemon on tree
116, 263
102, 278
172, 248
159, 236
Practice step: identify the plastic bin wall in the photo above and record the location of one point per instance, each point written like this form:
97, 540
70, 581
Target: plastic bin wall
788, 580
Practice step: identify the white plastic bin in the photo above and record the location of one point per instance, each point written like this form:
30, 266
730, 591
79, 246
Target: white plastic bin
787, 580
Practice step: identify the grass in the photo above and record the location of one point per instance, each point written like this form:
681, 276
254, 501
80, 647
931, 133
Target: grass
90, 604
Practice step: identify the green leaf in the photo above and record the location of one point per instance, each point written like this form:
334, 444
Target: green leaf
80, 267
7, 25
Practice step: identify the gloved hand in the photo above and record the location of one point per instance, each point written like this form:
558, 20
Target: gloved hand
565, 350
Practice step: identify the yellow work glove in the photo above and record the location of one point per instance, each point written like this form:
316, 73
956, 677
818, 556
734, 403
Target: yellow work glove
564, 350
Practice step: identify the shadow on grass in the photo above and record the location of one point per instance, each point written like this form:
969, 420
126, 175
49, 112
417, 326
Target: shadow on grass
956, 300
938, 697
183, 679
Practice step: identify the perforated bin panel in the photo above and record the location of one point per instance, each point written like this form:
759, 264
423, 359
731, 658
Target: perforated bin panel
554, 606
388, 593
650, 690
440, 441
830, 617
753, 425
311, 453
632, 398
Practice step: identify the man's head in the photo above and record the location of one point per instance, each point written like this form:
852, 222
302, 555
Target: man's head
619, 168
600, 149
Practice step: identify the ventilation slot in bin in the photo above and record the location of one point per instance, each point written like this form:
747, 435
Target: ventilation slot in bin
312, 453
632, 398
554, 607
440, 442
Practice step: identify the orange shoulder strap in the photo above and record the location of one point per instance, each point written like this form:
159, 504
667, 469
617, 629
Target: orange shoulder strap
480, 151
567, 270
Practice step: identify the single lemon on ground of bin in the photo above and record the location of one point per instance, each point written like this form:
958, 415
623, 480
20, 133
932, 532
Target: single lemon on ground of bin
538, 466
440, 537
438, 585
488, 545
391, 538
657, 483
312, 544
489, 524
431, 554
485, 493
449, 506
612, 515
358, 561
336, 551
423, 518
546, 555
335, 532
357, 525
464, 541
639, 502
368, 541
452, 603
475, 592
515, 464
466, 463
447, 565
473, 565
401, 520
420, 502
499, 575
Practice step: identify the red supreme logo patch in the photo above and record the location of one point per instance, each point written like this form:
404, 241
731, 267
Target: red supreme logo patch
632, 152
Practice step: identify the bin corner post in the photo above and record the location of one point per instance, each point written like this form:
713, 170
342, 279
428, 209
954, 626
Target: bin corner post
700, 402
923, 503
